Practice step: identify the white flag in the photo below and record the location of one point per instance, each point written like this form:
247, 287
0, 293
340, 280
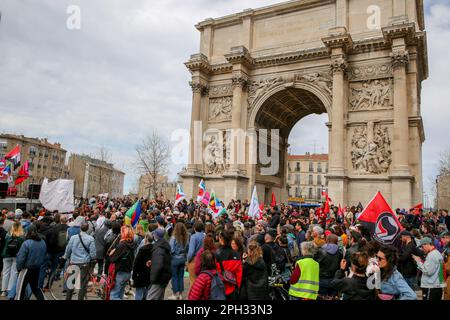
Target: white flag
57, 195
253, 210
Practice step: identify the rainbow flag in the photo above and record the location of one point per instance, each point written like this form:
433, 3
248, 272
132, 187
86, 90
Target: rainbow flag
133, 214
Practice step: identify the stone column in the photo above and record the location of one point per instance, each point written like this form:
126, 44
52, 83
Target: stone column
195, 143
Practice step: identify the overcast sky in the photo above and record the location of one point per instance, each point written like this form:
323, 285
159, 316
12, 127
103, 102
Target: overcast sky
122, 75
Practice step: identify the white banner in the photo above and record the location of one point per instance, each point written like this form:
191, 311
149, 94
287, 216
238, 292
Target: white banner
57, 195
253, 211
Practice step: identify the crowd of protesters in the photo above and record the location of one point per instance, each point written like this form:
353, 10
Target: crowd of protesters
314, 254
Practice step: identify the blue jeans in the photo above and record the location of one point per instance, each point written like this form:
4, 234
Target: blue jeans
178, 265
118, 291
141, 293
43, 271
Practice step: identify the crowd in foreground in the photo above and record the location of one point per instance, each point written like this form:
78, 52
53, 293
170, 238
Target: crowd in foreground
286, 253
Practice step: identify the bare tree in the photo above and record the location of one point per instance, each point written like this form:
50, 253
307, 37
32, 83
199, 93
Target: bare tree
444, 163
152, 161
105, 157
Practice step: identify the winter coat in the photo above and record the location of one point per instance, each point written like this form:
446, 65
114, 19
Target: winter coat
255, 284
195, 244
31, 255
231, 261
406, 264
141, 272
52, 238
100, 243
329, 258
201, 288
354, 288
123, 256
432, 270
161, 272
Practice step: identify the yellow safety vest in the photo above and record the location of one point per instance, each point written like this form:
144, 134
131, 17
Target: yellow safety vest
307, 286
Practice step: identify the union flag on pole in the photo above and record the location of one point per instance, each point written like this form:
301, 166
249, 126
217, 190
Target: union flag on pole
381, 220
23, 174
180, 194
14, 157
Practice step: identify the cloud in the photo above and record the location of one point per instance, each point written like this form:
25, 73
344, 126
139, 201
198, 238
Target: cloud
122, 74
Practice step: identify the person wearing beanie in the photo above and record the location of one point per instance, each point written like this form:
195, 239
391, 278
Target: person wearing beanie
7, 225
161, 273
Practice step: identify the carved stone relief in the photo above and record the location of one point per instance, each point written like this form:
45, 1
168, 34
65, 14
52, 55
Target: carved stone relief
220, 109
217, 157
371, 149
366, 72
257, 88
220, 91
321, 80
371, 95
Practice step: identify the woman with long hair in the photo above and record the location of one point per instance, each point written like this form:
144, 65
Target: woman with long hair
255, 284
393, 285
122, 258
208, 244
13, 242
138, 237
237, 244
179, 246
229, 265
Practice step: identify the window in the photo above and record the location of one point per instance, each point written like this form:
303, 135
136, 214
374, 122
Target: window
310, 179
319, 193
297, 179
3, 144
297, 192
319, 167
33, 150
319, 179
310, 193
298, 166
311, 166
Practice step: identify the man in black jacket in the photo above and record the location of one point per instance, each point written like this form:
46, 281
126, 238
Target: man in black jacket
329, 258
161, 273
142, 268
406, 263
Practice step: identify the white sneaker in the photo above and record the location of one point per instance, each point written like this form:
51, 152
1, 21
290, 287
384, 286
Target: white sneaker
4, 294
173, 297
180, 297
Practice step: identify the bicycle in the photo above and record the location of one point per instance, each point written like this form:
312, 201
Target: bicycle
96, 283
277, 284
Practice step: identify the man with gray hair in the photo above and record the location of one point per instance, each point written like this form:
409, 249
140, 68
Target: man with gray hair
305, 277
318, 239
7, 225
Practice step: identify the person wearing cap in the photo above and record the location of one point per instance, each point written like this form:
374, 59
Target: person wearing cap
406, 264
432, 280
160, 273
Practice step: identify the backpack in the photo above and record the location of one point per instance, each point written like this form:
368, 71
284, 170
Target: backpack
217, 287
61, 239
12, 246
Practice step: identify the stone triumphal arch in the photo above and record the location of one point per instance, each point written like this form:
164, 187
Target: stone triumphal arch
360, 61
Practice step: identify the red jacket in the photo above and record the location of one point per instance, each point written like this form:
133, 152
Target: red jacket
201, 289
231, 261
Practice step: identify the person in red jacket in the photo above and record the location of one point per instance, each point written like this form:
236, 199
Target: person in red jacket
229, 260
201, 288
208, 244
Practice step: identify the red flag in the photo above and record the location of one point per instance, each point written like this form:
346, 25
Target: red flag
14, 157
23, 174
274, 201
381, 220
415, 209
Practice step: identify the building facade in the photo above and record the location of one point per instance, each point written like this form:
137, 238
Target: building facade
46, 160
307, 177
165, 188
93, 177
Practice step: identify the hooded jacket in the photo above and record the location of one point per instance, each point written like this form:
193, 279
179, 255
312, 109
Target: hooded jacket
31, 255
231, 261
329, 258
354, 288
406, 264
255, 284
141, 273
432, 270
123, 257
161, 263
